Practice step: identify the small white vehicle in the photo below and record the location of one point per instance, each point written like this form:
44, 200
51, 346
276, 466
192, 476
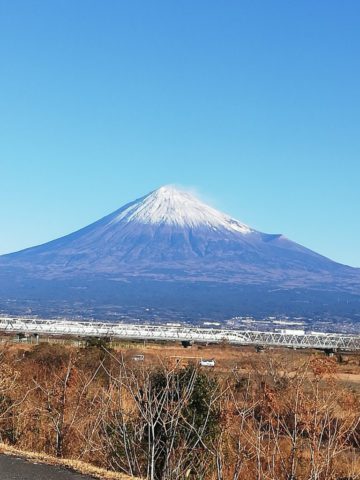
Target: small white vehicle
207, 363
138, 358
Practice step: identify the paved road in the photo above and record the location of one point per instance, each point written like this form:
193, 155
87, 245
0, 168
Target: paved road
15, 468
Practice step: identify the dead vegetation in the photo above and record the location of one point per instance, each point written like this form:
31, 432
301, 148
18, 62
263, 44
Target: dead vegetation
278, 415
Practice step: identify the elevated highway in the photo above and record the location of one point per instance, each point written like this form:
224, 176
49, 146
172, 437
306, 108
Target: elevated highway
35, 326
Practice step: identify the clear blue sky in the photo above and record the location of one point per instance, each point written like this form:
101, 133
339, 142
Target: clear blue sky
254, 103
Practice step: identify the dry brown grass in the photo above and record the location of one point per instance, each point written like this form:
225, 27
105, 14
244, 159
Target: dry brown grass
229, 357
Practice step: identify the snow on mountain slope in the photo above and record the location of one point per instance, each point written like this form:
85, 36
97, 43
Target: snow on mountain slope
171, 206
169, 234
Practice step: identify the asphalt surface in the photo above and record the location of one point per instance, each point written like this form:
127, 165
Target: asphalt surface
15, 468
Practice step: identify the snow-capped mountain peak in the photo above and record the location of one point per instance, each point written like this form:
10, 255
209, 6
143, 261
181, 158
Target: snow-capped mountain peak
172, 252
173, 206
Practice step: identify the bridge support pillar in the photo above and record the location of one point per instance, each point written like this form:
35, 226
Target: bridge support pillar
329, 352
20, 337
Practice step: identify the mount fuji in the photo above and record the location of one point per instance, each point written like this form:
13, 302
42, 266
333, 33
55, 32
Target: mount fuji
169, 251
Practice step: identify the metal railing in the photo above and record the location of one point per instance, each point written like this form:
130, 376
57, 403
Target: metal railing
35, 326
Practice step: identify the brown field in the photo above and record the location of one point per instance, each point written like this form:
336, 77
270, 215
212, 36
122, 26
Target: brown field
239, 358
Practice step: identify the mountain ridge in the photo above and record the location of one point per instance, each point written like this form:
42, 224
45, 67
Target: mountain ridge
170, 236
168, 225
